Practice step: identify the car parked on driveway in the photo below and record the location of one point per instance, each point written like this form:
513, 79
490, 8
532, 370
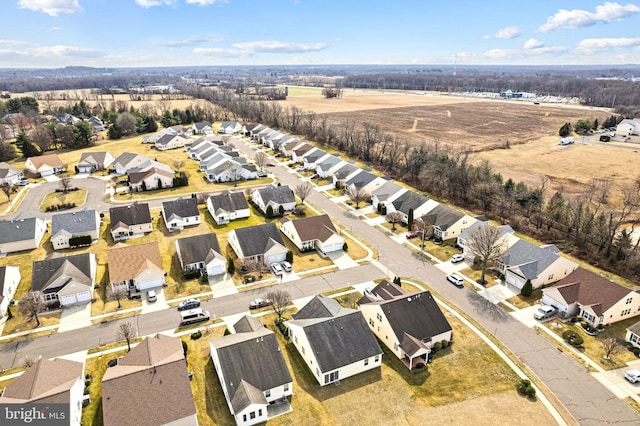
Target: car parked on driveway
22, 182
276, 269
457, 258
411, 234
189, 304
456, 280
544, 312
260, 303
151, 296
286, 266
263, 174
632, 376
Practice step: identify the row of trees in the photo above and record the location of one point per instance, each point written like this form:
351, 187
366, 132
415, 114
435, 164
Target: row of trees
587, 223
585, 125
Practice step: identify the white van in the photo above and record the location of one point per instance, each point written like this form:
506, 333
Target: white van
193, 315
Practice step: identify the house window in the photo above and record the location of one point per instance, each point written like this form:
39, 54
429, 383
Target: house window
379, 317
244, 417
550, 277
395, 346
286, 387
366, 362
371, 323
626, 312
377, 358
317, 372
267, 393
629, 300
252, 415
296, 339
260, 412
634, 338
303, 350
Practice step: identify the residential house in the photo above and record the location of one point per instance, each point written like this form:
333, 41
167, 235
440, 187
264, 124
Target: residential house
130, 221
408, 323
149, 386
65, 226
173, 130
260, 243
170, 141
286, 148
135, 268
198, 151
325, 164
340, 172
212, 161
253, 374
261, 136
364, 180
44, 165
180, 212
597, 299
9, 175
229, 127
9, 280
274, 196
248, 129
299, 151
201, 253
333, 341
56, 381
94, 161
411, 201
202, 128
310, 160
542, 265
96, 124
227, 206
633, 335
65, 279
275, 144
68, 119
230, 171
506, 237
447, 222
311, 233
21, 234
386, 194
628, 127
128, 161
156, 176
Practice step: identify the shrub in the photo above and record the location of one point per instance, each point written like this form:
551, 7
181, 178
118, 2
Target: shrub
226, 332
231, 267
502, 277
345, 247
185, 347
527, 289
269, 212
290, 256
437, 346
87, 383
525, 388
445, 344
573, 338
577, 341
636, 352
196, 335
204, 278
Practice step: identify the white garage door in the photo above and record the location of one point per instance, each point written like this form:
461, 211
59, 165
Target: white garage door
546, 300
85, 296
69, 299
333, 247
152, 283
216, 269
515, 281
276, 258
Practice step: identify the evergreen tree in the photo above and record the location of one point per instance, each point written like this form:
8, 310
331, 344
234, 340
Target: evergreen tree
231, 267
269, 212
410, 220
83, 134
24, 144
114, 132
527, 289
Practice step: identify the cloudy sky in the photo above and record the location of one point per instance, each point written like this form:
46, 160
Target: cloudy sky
123, 33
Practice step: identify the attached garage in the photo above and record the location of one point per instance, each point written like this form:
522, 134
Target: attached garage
515, 280
269, 259
151, 282
216, 268
68, 299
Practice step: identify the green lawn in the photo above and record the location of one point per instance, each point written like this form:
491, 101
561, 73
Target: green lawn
77, 197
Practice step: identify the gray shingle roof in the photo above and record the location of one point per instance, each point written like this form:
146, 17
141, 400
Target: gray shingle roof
329, 162
181, 208
197, 248
92, 159
337, 336
345, 171
409, 200
443, 216
76, 223
277, 194
527, 259
252, 357
385, 191
361, 179
315, 156
133, 214
228, 201
17, 230
52, 274
201, 125
256, 240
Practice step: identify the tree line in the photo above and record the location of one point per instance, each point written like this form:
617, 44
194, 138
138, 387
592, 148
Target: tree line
587, 225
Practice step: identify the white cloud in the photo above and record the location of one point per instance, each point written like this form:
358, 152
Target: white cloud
577, 18
505, 33
12, 42
592, 45
151, 3
220, 53
191, 41
61, 50
51, 7
205, 2
532, 43
274, 46
55, 28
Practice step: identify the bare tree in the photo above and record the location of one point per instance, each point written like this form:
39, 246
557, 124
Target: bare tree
357, 195
302, 191
235, 173
393, 218
31, 305
118, 293
178, 164
126, 331
424, 228
486, 243
8, 189
610, 345
261, 159
28, 361
281, 300
65, 183
42, 137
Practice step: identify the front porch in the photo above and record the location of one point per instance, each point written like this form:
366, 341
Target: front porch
278, 408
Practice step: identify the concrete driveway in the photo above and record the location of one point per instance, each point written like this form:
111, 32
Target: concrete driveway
75, 317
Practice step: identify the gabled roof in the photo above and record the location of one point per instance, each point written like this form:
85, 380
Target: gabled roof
93, 159
251, 362
6, 170
338, 336
635, 328
590, 289
133, 214
75, 223
315, 156
443, 216
228, 201
230, 124
51, 160
57, 272
128, 160
414, 317
198, 248
200, 125
344, 171
247, 324
167, 138
303, 149
276, 194
313, 228
258, 239
251, 126
127, 262
409, 200
329, 162
361, 179
503, 229
150, 385
138, 177
383, 192
45, 381
18, 229
528, 260
180, 208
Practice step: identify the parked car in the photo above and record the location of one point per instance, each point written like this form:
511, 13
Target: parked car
151, 296
544, 312
260, 303
277, 269
633, 376
263, 174
456, 280
248, 280
316, 176
22, 182
189, 304
411, 234
286, 266
300, 169
457, 258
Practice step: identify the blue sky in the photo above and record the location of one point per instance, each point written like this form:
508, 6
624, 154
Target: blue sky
124, 33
